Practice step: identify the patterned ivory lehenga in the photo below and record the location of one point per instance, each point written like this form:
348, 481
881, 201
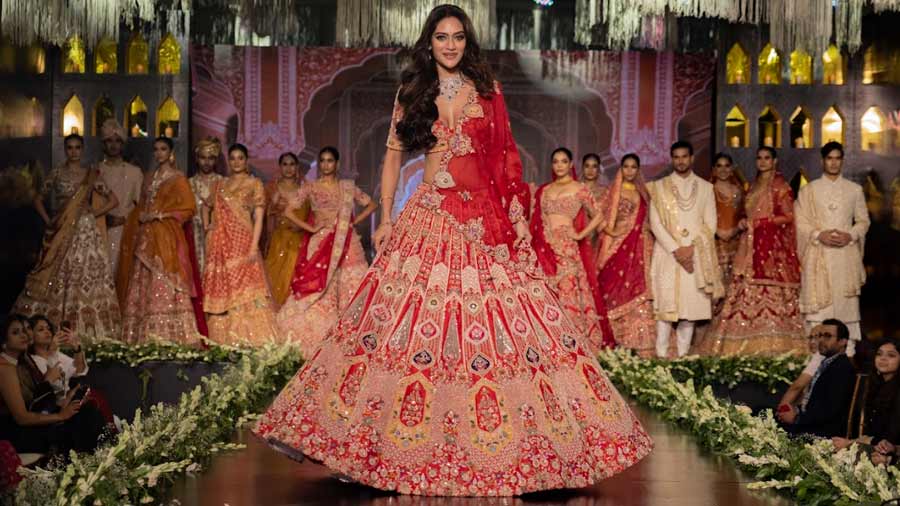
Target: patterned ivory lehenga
236, 293
626, 246
72, 279
567, 262
761, 313
329, 267
158, 278
454, 371
283, 242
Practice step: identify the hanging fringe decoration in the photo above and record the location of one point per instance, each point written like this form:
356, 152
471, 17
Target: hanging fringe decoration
55, 21
809, 24
377, 23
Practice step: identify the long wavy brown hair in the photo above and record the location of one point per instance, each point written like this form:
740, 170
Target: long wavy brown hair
419, 84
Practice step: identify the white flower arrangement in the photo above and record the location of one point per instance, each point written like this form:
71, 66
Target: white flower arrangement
812, 473
172, 439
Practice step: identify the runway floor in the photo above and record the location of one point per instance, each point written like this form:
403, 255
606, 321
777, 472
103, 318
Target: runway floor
677, 473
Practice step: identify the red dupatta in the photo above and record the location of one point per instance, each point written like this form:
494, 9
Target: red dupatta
623, 273
312, 275
547, 259
774, 238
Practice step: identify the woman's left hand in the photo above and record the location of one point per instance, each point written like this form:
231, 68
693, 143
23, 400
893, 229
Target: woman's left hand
523, 236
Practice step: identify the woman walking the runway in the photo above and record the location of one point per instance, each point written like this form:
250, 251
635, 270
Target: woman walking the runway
454, 371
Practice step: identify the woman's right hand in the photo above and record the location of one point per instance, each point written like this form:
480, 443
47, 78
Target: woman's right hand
53, 374
382, 234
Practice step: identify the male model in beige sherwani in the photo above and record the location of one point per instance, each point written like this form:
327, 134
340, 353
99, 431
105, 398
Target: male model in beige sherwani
685, 273
832, 221
206, 154
123, 178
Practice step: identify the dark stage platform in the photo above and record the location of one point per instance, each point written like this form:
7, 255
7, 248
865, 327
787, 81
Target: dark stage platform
677, 473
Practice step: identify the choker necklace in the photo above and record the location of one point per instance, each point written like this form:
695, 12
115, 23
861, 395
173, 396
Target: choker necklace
450, 87
628, 186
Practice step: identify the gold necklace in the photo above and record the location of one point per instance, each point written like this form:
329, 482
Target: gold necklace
628, 185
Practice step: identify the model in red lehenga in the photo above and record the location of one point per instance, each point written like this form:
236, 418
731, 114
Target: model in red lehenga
331, 262
558, 229
761, 313
454, 371
626, 245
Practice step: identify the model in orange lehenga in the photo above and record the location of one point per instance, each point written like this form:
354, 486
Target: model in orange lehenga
158, 278
761, 313
331, 262
283, 237
454, 370
626, 245
236, 293
728, 187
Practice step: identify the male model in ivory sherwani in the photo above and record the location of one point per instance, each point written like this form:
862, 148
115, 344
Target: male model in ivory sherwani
832, 221
206, 152
124, 179
684, 269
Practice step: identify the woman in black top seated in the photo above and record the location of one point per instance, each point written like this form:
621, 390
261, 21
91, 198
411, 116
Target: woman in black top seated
881, 411
22, 391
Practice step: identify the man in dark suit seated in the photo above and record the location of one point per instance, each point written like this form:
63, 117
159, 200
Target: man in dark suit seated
827, 401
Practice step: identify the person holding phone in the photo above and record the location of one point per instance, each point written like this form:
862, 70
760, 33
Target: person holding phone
59, 369
22, 423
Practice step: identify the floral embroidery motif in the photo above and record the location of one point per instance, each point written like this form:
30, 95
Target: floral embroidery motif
474, 229
516, 211
486, 410
476, 333
480, 364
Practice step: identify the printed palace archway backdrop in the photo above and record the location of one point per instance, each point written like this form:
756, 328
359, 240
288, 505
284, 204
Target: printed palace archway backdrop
301, 99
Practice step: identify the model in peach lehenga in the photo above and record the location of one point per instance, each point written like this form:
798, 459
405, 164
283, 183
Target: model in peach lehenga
158, 279
283, 236
71, 281
236, 293
331, 263
624, 259
761, 313
454, 371
559, 229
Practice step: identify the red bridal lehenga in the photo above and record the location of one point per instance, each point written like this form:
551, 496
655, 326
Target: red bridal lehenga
569, 264
454, 371
626, 246
761, 313
329, 267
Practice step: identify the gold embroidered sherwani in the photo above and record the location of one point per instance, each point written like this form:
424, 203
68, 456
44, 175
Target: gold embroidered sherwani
683, 213
201, 185
831, 277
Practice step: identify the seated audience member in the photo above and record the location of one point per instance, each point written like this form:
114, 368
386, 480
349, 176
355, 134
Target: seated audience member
796, 393
881, 412
830, 389
28, 429
58, 368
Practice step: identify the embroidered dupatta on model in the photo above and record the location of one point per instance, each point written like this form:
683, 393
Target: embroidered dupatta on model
772, 237
624, 263
58, 235
314, 274
163, 245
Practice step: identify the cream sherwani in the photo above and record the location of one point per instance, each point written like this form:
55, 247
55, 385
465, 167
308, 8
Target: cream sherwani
831, 277
683, 218
125, 181
201, 185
